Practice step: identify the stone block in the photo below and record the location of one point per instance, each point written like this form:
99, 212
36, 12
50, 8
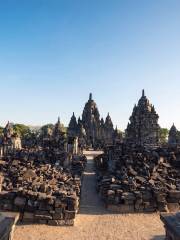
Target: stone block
121, 208
70, 214
20, 202
57, 216
69, 222
174, 194
40, 221
56, 222
42, 215
58, 203
42, 196
8, 206
162, 206
173, 207
58, 210
28, 217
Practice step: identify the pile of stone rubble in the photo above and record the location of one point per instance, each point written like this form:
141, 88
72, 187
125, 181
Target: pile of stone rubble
42, 192
78, 164
139, 180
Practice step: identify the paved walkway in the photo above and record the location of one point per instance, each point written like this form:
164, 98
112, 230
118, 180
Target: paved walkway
90, 201
94, 222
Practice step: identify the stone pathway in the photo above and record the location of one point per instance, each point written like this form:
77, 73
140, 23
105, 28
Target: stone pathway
94, 222
90, 201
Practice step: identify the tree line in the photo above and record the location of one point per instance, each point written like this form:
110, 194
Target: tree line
25, 131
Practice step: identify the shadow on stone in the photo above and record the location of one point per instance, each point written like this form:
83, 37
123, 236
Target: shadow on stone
158, 237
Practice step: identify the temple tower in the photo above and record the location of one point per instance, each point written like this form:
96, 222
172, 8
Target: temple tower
73, 127
91, 120
10, 140
173, 136
109, 130
143, 127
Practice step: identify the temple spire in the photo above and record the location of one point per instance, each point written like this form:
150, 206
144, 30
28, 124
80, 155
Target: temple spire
59, 120
143, 93
90, 96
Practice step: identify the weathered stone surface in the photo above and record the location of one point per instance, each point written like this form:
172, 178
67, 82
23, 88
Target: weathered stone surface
40, 221
20, 202
57, 223
58, 216
143, 178
28, 217
1, 181
42, 215
91, 130
41, 190
143, 127
173, 207
173, 138
69, 215
10, 140
121, 208
69, 222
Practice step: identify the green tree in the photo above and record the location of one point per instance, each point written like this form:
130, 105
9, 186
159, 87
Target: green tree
21, 129
45, 127
163, 136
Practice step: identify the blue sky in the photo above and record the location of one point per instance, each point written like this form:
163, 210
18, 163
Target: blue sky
53, 53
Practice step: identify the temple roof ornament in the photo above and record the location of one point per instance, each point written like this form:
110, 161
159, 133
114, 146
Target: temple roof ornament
73, 126
143, 93
108, 121
90, 97
57, 128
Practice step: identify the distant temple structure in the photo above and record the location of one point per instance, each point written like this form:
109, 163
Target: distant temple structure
143, 127
62, 146
94, 130
54, 137
9, 140
173, 138
73, 127
91, 121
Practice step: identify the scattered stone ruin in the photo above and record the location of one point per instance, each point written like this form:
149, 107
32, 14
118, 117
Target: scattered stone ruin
137, 179
139, 175
135, 173
42, 191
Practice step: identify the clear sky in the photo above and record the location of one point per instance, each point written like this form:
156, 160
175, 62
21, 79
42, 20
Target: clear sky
54, 52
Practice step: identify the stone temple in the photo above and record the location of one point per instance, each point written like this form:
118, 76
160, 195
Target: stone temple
173, 138
143, 128
91, 127
91, 120
9, 141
